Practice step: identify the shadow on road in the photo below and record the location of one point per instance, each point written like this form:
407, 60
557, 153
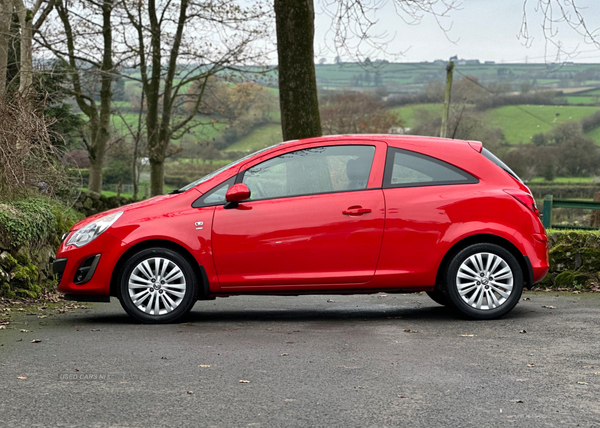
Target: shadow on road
433, 314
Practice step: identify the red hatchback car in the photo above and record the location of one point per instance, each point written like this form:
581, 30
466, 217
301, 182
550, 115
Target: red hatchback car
338, 214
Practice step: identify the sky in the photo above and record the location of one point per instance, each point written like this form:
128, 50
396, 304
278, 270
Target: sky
486, 30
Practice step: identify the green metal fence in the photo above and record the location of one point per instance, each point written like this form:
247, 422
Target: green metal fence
550, 202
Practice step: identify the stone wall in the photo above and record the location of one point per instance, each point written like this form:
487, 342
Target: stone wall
574, 260
90, 203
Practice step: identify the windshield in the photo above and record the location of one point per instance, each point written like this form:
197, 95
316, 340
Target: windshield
489, 155
226, 167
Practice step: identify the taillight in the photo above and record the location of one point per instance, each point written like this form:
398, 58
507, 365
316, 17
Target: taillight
525, 198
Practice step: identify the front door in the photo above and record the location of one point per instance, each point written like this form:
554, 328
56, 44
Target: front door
311, 220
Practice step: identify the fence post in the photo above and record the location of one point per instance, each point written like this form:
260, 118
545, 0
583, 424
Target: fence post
547, 213
596, 213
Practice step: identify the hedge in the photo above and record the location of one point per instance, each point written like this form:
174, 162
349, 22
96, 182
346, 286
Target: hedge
30, 231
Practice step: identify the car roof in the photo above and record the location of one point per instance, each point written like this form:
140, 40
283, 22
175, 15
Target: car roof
391, 139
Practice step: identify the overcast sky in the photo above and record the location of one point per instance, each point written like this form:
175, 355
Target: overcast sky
481, 29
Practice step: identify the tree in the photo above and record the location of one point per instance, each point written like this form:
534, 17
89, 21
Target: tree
356, 113
298, 101
85, 56
27, 29
177, 45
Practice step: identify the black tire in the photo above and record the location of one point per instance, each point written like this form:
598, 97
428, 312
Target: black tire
439, 297
163, 287
472, 271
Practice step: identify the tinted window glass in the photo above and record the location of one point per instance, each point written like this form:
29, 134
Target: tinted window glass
311, 171
489, 155
406, 169
215, 196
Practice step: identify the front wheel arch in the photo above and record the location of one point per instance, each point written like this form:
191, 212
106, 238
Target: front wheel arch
202, 280
440, 280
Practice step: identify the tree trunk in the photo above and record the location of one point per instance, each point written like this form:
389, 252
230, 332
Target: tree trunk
5, 20
298, 99
95, 180
26, 68
157, 174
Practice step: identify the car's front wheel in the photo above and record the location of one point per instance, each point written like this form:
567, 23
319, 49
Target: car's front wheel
484, 281
158, 285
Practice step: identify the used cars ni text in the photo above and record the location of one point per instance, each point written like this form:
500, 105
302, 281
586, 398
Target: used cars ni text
338, 214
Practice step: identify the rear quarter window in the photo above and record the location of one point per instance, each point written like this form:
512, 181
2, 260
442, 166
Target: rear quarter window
410, 169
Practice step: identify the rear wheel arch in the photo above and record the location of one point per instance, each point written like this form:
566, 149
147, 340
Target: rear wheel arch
203, 285
482, 239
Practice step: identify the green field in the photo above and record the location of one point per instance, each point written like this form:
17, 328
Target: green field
406, 113
520, 123
259, 138
571, 180
592, 100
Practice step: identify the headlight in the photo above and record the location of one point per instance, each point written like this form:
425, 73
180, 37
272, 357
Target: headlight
88, 233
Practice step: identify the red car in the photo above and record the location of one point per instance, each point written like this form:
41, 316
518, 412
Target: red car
339, 214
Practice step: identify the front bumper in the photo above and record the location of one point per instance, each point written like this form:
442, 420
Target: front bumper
87, 271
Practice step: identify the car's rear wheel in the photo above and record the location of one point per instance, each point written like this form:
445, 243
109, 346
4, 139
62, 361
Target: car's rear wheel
484, 281
438, 296
158, 285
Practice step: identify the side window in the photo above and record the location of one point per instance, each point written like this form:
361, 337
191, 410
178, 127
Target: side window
311, 171
215, 196
404, 168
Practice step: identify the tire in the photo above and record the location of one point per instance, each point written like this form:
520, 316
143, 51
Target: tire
484, 281
158, 285
439, 297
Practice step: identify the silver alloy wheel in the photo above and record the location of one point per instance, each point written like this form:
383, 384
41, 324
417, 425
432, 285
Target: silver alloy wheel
484, 281
157, 286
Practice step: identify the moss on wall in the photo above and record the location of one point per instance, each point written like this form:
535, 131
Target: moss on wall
30, 231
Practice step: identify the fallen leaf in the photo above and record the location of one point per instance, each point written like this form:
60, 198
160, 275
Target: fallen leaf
244, 381
285, 354
204, 365
526, 298
582, 383
42, 316
24, 331
2, 327
548, 307
330, 301
408, 330
36, 341
468, 335
22, 377
190, 392
530, 365
523, 331
519, 401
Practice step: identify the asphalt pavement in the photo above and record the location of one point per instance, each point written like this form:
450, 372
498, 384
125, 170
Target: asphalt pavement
309, 361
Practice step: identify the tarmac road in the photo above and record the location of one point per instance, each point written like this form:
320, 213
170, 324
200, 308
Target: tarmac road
310, 361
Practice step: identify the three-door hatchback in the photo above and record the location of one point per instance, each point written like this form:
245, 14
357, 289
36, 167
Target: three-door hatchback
339, 214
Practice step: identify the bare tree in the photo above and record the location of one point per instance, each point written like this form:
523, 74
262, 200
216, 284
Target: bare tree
351, 20
182, 44
83, 42
556, 13
28, 26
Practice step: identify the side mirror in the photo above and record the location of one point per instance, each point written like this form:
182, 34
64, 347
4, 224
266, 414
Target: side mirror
237, 192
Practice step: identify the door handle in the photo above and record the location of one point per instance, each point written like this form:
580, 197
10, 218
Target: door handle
354, 211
